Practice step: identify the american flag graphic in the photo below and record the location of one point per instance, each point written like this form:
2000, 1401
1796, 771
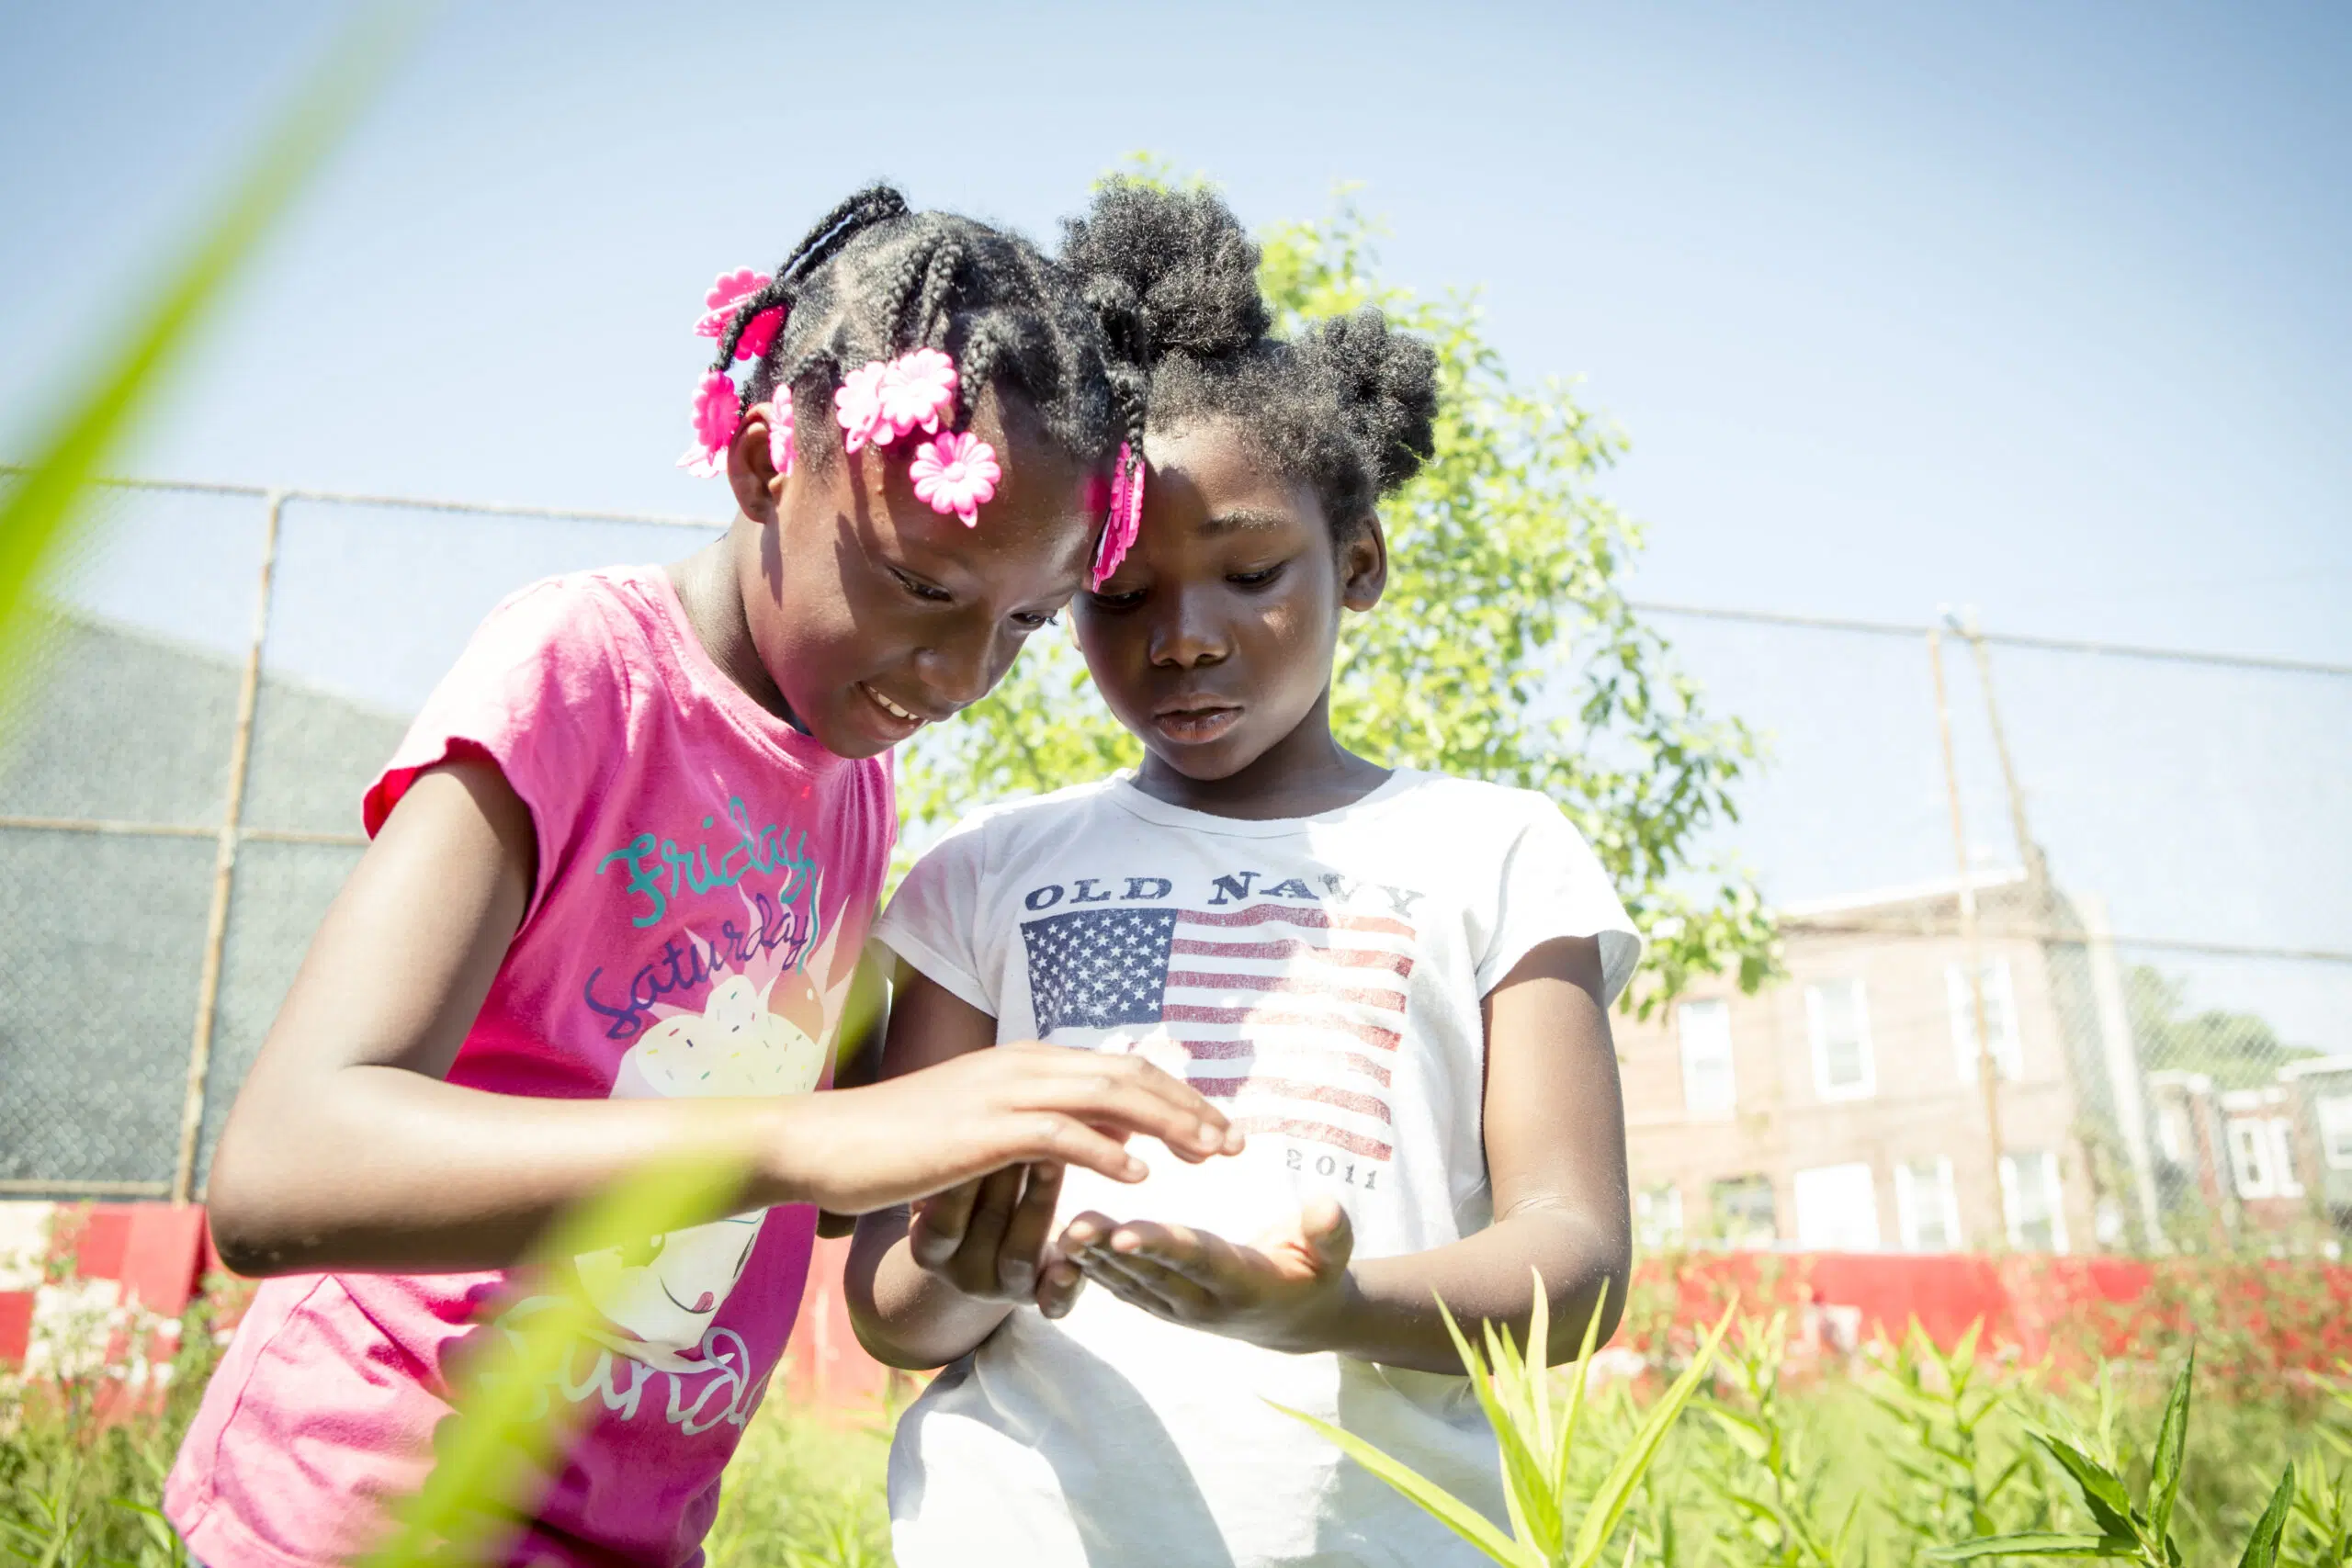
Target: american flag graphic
1291, 1012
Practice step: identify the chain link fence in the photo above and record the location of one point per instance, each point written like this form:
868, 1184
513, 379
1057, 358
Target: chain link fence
2125, 867
217, 675
2119, 866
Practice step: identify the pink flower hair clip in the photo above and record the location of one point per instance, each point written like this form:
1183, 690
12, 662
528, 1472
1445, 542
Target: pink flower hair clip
728, 292
780, 451
884, 399
1125, 519
717, 417
875, 405
857, 404
716, 413
957, 472
917, 388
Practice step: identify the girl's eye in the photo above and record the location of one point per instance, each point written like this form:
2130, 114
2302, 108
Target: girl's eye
1029, 621
1127, 601
919, 589
1257, 579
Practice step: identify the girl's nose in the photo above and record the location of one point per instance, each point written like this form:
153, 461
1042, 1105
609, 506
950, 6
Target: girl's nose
958, 674
1187, 634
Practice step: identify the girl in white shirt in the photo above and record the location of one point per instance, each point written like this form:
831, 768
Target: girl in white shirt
1394, 982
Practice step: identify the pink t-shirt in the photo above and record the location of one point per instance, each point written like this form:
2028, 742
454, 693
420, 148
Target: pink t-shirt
706, 874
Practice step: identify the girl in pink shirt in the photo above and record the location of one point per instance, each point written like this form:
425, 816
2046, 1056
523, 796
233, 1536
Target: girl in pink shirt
622, 871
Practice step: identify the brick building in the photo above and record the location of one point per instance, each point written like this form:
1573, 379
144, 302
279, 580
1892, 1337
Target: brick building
2268, 1162
1842, 1107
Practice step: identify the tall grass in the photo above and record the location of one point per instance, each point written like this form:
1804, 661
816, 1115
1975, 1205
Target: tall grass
1884, 1460
81, 1488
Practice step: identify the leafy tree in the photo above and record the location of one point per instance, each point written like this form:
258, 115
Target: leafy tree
1504, 649
2236, 1050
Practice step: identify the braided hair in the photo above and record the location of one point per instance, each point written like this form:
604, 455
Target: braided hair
874, 280
1350, 406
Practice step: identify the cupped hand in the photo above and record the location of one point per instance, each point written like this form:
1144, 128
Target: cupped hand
987, 1238
1285, 1291
856, 1150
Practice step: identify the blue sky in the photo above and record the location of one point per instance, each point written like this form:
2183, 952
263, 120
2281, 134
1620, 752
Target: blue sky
2041, 309
2038, 307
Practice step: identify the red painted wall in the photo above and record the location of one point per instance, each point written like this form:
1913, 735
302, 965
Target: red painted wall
2300, 1314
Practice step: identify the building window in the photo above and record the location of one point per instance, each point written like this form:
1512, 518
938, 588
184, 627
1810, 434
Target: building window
1837, 1208
1841, 1040
2172, 1132
1657, 1216
1742, 1209
2031, 1192
2262, 1157
2336, 1130
2000, 1019
1708, 1089
2250, 1157
2282, 1157
1926, 1207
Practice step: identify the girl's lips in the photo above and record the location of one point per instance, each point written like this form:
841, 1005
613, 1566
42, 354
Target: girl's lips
894, 719
1195, 727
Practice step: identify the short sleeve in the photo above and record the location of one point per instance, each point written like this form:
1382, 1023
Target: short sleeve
934, 920
1554, 886
539, 693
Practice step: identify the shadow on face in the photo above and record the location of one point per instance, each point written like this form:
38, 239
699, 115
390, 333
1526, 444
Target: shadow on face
1214, 640
875, 615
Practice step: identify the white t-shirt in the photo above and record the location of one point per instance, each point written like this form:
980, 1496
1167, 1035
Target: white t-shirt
1320, 978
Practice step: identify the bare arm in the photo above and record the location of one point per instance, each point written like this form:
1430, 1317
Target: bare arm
348, 1149
1556, 1155
858, 1059
927, 1285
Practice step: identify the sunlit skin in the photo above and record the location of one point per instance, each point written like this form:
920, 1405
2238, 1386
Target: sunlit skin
836, 597
1214, 642
893, 616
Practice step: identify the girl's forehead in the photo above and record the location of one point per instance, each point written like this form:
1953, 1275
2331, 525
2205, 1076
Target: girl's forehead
1038, 524
1215, 474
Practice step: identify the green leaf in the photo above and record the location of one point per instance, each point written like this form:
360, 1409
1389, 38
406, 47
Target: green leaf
2102, 1489
1539, 1361
1745, 1433
1616, 1490
2018, 1466
2172, 1440
2037, 1546
41, 509
1961, 1362
1574, 1414
1534, 1506
1432, 1499
499, 1435
2261, 1546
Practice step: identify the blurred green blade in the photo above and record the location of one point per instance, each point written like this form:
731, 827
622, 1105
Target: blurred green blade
2261, 1546
1616, 1492
2172, 1440
1524, 1488
41, 506
2036, 1546
1578, 1390
2102, 1489
499, 1436
1440, 1504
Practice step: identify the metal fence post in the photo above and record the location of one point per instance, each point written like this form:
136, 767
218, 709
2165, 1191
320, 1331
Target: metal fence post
1988, 1071
224, 863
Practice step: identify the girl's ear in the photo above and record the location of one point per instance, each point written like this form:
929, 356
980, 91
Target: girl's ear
1363, 564
751, 467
